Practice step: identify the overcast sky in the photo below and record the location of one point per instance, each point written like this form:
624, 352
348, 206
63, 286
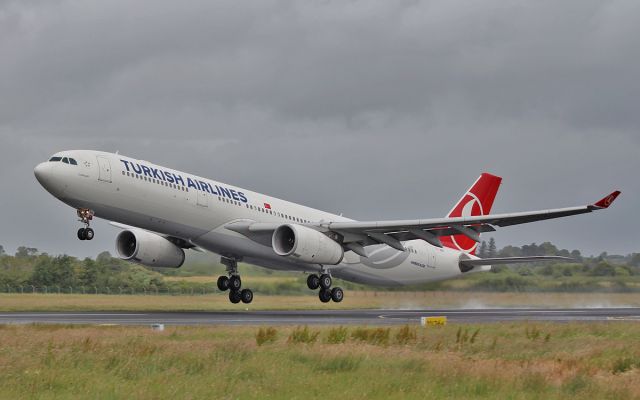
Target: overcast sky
376, 109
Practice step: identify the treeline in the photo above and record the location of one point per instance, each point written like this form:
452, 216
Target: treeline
28, 268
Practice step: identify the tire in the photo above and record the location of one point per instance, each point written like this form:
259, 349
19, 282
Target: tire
246, 296
337, 295
313, 282
223, 283
325, 281
234, 296
89, 234
235, 283
81, 234
325, 295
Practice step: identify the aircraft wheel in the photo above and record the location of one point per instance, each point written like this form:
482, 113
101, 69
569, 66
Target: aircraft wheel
246, 296
81, 234
234, 296
223, 283
313, 282
325, 295
235, 283
337, 294
89, 234
325, 281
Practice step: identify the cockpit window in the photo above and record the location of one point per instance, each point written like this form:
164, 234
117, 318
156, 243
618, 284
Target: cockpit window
65, 160
73, 161
55, 159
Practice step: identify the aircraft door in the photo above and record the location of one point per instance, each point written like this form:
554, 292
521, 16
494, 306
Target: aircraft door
104, 169
203, 198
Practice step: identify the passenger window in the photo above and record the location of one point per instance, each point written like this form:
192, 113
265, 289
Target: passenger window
65, 160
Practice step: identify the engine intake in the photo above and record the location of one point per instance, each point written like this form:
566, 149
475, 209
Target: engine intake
148, 249
306, 245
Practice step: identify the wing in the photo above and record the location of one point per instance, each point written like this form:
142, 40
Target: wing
356, 235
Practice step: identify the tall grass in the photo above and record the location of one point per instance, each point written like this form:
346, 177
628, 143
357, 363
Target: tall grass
596, 361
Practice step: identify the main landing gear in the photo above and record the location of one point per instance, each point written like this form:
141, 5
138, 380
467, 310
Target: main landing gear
233, 284
326, 293
85, 216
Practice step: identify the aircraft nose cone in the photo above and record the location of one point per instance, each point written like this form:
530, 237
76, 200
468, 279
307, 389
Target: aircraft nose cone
42, 172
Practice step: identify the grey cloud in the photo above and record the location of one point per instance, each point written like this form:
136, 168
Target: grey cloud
376, 109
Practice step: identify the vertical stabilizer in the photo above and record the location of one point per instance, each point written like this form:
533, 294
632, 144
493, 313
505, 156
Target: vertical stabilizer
476, 201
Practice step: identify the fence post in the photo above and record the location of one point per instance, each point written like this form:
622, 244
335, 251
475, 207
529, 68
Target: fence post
33, 289
58, 289
96, 289
8, 289
108, 290
70, 290
46, 290
83, 292
21, 289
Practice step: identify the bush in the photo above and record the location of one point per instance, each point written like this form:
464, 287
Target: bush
266, 335
624, 364
303, 335
406, 335
337, 335
376, 336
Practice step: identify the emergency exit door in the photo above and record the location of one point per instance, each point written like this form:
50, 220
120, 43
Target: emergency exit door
104, 169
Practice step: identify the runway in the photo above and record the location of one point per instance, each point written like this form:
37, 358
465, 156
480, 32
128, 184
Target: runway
320, 317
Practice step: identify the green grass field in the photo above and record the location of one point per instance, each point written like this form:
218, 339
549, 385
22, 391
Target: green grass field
492, 361
353, 299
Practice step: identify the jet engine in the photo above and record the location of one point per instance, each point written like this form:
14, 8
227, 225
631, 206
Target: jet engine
306, 245
148, 249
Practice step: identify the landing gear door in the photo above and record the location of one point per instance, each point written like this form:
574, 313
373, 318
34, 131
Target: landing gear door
104, 169
431, 257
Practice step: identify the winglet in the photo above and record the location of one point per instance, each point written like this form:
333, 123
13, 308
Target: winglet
606, 202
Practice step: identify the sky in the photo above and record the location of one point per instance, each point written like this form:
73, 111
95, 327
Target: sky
376, 109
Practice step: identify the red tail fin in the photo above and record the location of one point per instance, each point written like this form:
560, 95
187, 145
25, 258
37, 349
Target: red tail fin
477, 201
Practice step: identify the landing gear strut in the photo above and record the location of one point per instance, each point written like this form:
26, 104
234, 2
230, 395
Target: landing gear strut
85, 216
233, 283
326, 293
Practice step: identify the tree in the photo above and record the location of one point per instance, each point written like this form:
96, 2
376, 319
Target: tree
54, 271
1, 250
25, 252
482, 252
575, 254
492, 252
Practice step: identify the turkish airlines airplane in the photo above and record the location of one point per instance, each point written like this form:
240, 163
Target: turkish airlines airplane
163, 211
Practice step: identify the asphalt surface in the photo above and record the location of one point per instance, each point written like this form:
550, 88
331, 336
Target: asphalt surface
320, 317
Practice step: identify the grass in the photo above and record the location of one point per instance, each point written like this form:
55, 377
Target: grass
353, 299
589, 361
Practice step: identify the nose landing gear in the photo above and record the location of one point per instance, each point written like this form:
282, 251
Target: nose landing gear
326, 293
233, 283
85, 216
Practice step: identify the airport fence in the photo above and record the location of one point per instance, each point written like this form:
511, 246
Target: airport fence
119, 290
173, 291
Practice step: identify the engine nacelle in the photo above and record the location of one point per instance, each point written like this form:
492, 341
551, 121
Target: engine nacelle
148, 249
306, 245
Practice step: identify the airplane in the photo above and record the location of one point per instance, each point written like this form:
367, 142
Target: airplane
162, 212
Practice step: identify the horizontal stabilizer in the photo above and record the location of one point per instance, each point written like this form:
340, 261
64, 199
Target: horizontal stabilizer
512, 260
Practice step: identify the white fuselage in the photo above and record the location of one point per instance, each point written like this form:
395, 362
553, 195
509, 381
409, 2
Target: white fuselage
173, 203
